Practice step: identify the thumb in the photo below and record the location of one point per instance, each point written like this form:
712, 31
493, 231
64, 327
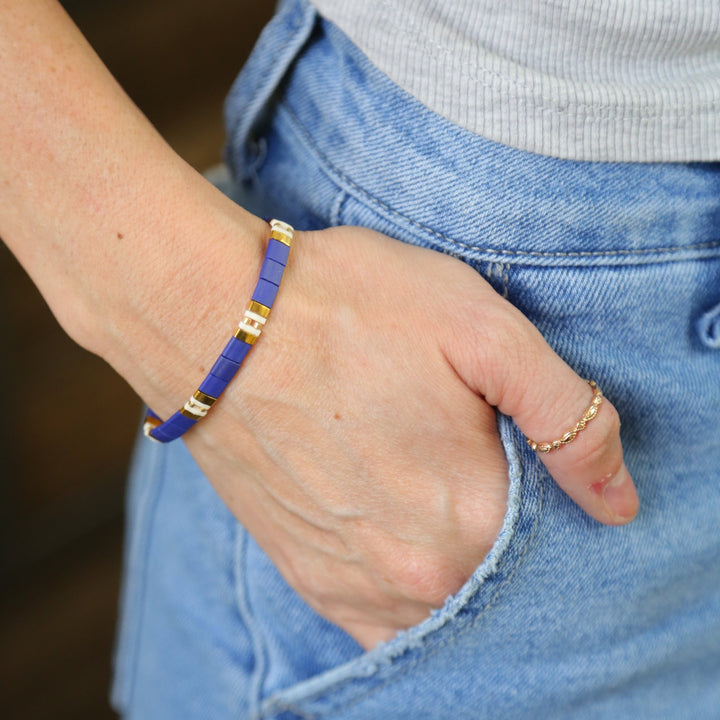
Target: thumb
515, 370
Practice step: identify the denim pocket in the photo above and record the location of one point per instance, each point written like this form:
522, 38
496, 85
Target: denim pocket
312, 669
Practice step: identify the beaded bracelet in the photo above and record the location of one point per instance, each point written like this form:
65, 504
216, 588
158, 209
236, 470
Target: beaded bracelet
246, 335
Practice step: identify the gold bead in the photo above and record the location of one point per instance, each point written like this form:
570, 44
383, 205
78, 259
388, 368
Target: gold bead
259, 309
184, 411
152, 422
245, 336
280, 236
203, 398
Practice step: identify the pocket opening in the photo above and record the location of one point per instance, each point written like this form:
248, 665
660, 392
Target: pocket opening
389, 662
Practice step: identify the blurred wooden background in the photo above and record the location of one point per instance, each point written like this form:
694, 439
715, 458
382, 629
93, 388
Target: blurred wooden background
62, 475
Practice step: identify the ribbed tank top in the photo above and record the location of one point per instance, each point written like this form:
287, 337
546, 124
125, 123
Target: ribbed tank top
615, 80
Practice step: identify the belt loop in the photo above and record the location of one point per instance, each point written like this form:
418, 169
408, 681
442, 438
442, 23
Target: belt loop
278, 45
708, 327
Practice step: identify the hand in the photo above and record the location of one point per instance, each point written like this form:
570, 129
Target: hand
358, 444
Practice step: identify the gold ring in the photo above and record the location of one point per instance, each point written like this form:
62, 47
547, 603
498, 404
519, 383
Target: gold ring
590, 412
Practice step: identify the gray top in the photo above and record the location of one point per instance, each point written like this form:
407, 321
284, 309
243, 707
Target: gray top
620, 80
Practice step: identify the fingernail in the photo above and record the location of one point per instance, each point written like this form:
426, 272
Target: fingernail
620, 496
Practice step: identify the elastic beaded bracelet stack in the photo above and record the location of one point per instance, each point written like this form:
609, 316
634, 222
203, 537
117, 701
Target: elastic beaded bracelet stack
231, 358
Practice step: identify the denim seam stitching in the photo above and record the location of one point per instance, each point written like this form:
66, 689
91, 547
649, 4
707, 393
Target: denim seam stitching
459, 629
334, 170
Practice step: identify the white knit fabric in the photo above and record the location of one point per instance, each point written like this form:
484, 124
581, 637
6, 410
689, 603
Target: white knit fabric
619, 80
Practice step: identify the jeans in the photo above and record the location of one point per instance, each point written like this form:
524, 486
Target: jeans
618, 265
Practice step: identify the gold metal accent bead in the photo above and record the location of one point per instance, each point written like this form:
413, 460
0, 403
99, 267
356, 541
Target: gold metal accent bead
152, 422
280, 236
149, 425
203, 398
259, 309
187, 413
245, 336
590, 413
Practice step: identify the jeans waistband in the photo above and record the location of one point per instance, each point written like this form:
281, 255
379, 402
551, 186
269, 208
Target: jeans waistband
509, 205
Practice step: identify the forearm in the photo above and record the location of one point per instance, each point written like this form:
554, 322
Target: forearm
119, 234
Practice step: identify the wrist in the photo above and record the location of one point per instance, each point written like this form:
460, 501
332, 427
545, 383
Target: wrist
136, 254
165, 317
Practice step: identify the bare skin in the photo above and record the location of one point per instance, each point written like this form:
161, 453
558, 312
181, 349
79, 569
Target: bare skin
358, 445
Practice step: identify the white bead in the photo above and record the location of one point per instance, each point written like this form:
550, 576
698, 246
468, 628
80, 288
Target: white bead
196, 407
283, 227
147, 428
198, 404
254, 316
251, 330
